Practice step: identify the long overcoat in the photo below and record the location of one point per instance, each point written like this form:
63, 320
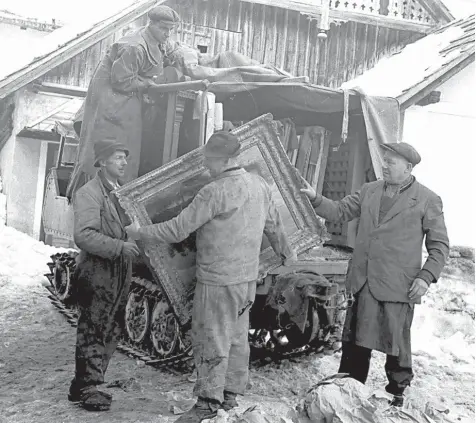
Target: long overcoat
388, 255
113, 105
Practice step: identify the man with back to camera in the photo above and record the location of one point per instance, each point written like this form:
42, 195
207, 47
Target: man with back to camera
103, 274
230, 215
386, 274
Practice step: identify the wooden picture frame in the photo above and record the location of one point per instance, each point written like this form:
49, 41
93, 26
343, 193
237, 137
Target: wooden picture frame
161, 194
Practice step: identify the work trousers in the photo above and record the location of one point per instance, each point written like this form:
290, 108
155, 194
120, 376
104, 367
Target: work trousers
356, 361
100, 324
220, 324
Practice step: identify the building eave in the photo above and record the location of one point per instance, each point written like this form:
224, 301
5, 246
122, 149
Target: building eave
315, 12
22, 22
74, 46
421, 90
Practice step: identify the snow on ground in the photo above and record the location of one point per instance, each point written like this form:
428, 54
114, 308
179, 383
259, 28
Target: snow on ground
37, 355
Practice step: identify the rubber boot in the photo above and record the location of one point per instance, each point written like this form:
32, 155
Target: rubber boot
202, 410
229, 401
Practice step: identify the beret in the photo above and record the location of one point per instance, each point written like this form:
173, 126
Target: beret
106, 148
222, 144
405, 150
164, 14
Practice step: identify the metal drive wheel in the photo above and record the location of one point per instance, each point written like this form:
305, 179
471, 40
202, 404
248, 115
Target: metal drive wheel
137, 316
164, 329
62, 280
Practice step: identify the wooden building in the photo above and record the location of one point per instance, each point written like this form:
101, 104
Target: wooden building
330, 46
436, 95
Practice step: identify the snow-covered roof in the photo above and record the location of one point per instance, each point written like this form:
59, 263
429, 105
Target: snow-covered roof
7, 17
417, 64
64, 43
66, 12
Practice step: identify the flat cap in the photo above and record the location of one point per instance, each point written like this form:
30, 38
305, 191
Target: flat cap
164, 14
105, 148
405, 150
222, 144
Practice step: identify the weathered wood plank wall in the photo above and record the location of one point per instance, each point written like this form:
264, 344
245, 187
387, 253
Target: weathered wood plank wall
281, 37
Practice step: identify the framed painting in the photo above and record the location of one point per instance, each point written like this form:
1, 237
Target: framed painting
161, 194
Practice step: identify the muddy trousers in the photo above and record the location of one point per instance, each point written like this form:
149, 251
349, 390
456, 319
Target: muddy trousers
356, 361
220, 324
100, 325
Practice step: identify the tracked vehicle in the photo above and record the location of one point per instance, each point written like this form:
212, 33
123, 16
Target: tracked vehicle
330, 137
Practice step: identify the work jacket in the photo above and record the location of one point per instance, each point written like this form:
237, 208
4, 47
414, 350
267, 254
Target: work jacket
229, 216
99, 232
388, 254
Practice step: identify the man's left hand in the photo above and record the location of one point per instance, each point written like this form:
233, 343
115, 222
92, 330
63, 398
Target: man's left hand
418, 289
133, 230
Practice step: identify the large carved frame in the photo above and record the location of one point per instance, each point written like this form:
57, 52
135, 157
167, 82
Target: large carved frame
260, 132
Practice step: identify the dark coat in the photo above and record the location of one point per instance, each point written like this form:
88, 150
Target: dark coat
388, 254
99, 233
113, 105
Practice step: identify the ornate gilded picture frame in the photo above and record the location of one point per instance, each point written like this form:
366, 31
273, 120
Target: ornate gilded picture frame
161, 195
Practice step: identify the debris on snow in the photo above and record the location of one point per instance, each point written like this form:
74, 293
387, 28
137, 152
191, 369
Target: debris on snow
37, 361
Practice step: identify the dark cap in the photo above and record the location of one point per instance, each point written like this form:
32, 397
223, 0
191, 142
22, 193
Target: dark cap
105, 148
163, 14
405, 150
222, 144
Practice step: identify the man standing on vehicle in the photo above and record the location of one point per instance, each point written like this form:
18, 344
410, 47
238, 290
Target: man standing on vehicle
103, 274
114, 103
386, 275
230, 215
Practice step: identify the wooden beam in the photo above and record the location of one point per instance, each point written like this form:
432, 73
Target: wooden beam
421, 90
402, 124
344, 16
74, 46
437, 10
38, 134
67, 90
323, 267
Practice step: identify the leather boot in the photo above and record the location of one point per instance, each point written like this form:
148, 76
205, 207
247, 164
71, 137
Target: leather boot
229, 401
202, 410
76, 391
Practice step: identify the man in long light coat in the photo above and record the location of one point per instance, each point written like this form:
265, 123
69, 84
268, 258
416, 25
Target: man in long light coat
230, 215
386, 275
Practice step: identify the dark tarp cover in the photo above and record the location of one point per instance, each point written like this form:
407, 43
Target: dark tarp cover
312, 105
309, 105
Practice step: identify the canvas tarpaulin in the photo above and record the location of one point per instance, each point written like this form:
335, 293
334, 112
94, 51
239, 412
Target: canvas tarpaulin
312, 105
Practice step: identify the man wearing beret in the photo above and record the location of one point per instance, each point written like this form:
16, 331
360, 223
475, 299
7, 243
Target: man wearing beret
113, 105
230, 215
103, 274
386, 275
